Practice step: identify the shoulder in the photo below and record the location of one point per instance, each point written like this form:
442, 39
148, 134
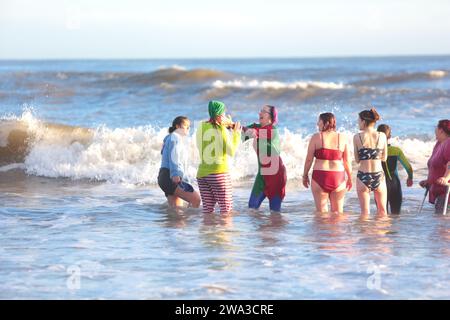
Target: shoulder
446, 143
393, 150
274, 129
343, 137
446, 146
254, 125
315, 136
171, 140
175, 137
166, 138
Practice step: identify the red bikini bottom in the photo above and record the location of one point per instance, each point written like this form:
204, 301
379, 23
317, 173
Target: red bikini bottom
328, 180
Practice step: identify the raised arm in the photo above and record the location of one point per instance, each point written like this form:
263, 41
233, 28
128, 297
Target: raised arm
232, 144
248, 132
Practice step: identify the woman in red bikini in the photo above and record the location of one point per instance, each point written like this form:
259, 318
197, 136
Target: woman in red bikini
330, 149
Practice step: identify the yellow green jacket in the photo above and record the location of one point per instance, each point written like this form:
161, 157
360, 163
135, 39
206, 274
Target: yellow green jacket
215, 144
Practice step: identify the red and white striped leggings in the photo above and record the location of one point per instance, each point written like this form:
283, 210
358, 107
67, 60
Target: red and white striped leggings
216, 188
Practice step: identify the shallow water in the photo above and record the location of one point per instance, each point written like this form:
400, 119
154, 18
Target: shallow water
124, 242
81, 216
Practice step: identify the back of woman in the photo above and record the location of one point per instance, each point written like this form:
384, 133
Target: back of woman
370, 148
326, 143
331, 165
215, 144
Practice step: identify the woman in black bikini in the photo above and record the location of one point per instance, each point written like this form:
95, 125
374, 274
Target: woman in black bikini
370, 150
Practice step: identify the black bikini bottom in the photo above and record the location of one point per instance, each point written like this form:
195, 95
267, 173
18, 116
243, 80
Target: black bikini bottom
371, 180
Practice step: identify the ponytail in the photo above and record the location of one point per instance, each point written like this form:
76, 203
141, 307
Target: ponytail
178, 121
369, 116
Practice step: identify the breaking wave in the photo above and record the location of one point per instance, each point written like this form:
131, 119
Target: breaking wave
132, 155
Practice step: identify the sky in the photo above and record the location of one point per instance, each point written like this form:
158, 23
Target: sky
138, 29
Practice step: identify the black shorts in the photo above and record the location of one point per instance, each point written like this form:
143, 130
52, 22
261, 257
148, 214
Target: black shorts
165, 182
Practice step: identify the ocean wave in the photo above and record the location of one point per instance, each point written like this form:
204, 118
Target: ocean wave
277, 85
51, 81
174, 66
132, 155
173, 75
272, 90
12, 166
404, 77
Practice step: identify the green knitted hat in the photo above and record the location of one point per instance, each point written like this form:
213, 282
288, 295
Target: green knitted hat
215, 108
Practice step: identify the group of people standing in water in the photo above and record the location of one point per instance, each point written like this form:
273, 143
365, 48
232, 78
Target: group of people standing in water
218, 138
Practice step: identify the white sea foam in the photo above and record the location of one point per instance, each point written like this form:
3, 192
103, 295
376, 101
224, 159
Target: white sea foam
437, 73
133, 155
276, 85
12, 166
174, 67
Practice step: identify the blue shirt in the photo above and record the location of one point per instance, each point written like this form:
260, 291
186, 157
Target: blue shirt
172, 155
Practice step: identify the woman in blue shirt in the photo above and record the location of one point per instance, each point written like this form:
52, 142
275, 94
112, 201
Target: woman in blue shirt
173, 164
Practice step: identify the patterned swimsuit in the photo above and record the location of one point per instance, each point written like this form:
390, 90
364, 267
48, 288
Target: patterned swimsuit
371, 180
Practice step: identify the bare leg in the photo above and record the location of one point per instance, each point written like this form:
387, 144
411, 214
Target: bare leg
193, 198
364, 197
175, 201
320, 197
337, 198
381, 198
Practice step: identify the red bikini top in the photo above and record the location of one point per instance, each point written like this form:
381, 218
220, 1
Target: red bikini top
328, 154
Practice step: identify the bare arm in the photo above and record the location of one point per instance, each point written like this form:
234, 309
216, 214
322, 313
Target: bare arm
446, 177
355, 148
384, 155
348, 166
308, 161
447, 173
309, 157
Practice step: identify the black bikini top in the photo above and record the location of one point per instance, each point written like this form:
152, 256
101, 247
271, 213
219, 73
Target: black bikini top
369, 153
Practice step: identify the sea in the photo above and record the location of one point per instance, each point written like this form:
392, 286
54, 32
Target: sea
82, 216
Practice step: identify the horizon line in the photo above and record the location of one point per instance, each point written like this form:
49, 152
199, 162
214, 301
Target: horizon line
235, 58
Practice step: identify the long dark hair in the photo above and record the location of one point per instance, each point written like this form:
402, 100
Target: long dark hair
369, 116
178, 121
329, 121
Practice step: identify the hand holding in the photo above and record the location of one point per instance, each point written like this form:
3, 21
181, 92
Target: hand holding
424, 183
